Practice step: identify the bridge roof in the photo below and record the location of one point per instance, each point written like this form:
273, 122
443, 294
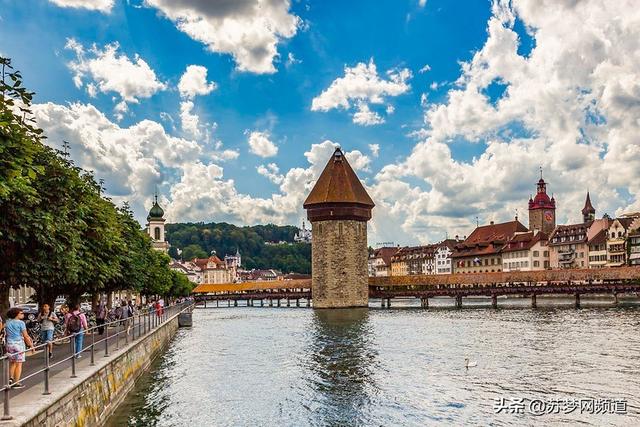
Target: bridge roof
338, 183
207, 288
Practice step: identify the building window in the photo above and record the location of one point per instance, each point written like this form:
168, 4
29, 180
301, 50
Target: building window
536, 263
156, 233
536, 254
546, 264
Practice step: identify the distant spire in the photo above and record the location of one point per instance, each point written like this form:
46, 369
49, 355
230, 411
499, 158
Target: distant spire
516, 214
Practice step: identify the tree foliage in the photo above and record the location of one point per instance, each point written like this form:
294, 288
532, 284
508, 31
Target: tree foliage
200, 239
58, 233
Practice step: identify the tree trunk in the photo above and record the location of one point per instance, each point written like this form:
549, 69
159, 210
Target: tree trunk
110, 300
95, 301
4, 299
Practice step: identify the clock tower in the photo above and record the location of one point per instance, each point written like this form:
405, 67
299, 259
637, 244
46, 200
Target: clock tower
542, 209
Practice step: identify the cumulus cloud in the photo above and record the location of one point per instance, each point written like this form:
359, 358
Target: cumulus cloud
106, 71
261, 145
194, 82
360, 87
570, 104
204, 193
103, 6
131, 160
249, 30
375, 149
272, 172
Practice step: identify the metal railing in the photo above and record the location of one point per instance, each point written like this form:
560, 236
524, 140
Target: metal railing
132, 328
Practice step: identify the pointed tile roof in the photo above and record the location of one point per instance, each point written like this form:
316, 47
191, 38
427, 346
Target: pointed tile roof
588, 207
338, 183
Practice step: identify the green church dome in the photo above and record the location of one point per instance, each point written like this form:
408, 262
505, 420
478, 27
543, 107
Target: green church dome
156, 211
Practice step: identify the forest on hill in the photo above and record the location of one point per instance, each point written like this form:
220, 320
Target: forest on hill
198, 240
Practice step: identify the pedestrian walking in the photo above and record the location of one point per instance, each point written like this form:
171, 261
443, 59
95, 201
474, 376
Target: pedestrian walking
17, 340
101, 315
47, 319
76, 323
124, 315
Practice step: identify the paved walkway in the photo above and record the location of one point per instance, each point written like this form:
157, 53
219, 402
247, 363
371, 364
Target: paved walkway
36, 361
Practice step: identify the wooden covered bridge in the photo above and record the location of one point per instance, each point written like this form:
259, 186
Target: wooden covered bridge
530, 284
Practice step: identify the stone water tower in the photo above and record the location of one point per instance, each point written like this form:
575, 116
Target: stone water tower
338, 208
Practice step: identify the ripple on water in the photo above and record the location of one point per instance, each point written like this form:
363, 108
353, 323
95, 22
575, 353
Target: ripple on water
261, 366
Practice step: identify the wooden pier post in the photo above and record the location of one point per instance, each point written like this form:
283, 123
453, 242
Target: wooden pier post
288, 303
270, 303
261, 303
297, 302
228, 303
577, 300
615, 298
388, 302
217, 303
235, 302
459, 301
382, 302
534, 303
278, 302
205, 303
494, 301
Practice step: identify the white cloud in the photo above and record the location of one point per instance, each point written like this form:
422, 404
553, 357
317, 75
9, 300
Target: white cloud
422, 3
261, 145
103, 6
364, 116
571, 104
194, 82
292, 60
203, 193
361, 86
272, 172
131, 160
375, 149
424, 69
249, 30
107, 71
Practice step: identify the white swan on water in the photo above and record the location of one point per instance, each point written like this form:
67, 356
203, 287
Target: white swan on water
469, 364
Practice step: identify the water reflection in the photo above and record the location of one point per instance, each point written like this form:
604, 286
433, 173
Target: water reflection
341, 365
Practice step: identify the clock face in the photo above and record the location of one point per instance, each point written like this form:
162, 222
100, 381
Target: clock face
548, 216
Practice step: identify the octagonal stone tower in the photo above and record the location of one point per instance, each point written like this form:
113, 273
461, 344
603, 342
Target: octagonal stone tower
338, 208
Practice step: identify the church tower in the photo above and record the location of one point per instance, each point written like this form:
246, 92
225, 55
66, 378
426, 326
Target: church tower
338, 208
588, 212
542, 209
155, 226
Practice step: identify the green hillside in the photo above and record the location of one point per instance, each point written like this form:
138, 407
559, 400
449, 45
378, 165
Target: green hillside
199, 239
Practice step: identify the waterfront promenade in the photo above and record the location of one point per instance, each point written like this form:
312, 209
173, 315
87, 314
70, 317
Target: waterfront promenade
88, 388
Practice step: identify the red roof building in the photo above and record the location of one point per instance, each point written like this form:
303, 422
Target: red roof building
481, 251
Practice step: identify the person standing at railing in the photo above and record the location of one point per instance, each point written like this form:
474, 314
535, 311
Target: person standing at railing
101, 315
76, 323
47, 320
16, 337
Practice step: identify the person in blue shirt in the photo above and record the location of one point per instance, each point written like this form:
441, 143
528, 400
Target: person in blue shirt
16, 337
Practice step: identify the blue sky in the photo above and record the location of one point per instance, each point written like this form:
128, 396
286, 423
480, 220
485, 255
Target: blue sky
447, 135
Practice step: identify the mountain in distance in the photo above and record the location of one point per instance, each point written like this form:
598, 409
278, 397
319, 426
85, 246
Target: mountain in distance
258, 244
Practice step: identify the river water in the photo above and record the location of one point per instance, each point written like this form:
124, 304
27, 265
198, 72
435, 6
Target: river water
399, 366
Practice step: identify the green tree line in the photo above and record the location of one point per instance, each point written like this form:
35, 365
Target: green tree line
58, 233
198, 240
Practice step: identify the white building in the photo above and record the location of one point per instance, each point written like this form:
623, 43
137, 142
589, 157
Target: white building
443, 259
380, 261
303, 235
526, 251
155, 227
189, 269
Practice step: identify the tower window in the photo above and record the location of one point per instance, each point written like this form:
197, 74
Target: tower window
156, 233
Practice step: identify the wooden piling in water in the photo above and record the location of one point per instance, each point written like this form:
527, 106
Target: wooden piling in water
577, 300
494, 301
534, 302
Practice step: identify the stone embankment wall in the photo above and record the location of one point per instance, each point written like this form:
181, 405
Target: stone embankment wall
94, 399
339, 264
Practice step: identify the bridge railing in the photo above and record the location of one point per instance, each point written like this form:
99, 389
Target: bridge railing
142, 323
